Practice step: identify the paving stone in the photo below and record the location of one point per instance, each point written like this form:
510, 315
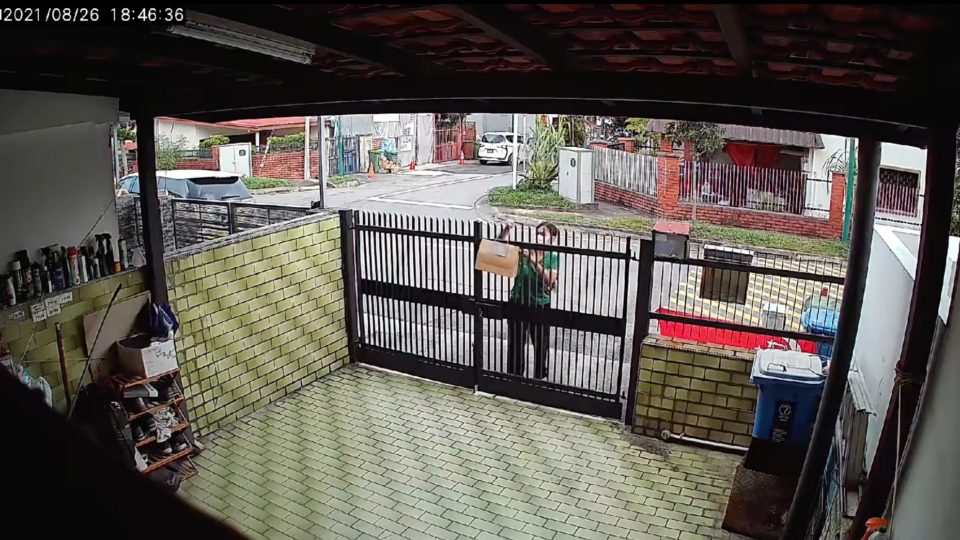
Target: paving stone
364, 454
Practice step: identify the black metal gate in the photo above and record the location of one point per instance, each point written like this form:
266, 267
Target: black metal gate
423, 309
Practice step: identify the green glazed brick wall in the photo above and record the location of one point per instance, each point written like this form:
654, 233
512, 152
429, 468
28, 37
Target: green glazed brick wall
39, 340
262, 315
697, 390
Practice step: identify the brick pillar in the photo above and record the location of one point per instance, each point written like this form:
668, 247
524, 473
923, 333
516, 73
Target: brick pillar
668, 185
629, 143
665, 144
838, 190
215, 153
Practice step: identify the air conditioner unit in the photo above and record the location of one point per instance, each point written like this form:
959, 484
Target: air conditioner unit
576, 175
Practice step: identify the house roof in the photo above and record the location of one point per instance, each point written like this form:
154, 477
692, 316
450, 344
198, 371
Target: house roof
257, 124
782, 137
869, 69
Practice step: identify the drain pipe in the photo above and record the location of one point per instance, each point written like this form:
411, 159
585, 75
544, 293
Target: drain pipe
861, 235
668, 436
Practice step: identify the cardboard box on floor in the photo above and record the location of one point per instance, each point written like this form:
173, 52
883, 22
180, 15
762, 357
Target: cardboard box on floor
498, 258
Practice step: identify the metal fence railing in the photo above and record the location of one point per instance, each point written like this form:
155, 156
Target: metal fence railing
754, 188
747, 299
626, 170
198, 221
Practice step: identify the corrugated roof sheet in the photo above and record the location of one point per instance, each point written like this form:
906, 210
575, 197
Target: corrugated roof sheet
782, 137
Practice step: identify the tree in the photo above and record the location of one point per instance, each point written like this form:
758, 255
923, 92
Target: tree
640, 129
215, 140
544, 156
125, 132
574, 130
169, 152
704, 138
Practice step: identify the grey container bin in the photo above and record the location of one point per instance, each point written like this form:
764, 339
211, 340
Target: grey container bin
723, 285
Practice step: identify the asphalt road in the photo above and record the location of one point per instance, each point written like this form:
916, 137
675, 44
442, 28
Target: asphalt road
449, 191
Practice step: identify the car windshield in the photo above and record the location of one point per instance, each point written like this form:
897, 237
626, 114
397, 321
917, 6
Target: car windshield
217, 189
492, 138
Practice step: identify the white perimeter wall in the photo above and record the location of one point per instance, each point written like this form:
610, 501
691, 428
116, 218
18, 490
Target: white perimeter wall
883, 319
894, 156
57, 175
926, 504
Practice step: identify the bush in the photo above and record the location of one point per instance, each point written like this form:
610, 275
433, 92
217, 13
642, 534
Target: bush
544, 157
216, 140
527, 198
338, 180
169, 152
285, 142
256, 182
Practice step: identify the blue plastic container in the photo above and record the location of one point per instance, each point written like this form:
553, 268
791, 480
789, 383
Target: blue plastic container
789, 384
823, 322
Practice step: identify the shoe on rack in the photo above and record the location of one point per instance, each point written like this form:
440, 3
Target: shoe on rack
137, 431
164, 448
135, 405
168, 390
148, 424
179, 442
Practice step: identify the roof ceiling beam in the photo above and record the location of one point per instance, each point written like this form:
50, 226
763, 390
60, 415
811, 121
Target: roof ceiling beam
508, 28
385, 12
324, 35
735, 34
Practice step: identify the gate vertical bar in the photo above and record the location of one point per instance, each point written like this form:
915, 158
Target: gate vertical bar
626, 301
350, 282
641, 324
478, 312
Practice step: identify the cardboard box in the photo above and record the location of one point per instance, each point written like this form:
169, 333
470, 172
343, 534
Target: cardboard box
138, 355
498, 258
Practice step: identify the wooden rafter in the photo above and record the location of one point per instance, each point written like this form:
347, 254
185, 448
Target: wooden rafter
735, 34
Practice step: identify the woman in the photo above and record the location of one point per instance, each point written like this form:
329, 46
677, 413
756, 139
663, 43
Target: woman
537, 274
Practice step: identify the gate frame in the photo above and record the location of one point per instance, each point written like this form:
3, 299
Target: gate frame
473, 375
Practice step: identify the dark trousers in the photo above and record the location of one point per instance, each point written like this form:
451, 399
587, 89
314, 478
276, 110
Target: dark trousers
518, 332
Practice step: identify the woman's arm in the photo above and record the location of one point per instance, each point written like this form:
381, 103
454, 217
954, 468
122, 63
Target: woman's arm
505, 233
549, 276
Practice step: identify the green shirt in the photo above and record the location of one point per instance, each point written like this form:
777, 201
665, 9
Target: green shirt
528, 286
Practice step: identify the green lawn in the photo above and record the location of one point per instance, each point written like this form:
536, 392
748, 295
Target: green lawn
705, 232
257, 182
506, 197
340, 180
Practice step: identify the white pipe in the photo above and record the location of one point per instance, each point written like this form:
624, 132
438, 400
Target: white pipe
667, 435
323, 173
516, 150
306, 147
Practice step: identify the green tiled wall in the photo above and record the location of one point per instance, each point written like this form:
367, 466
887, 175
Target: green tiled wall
40, 340
699, 390
261, 317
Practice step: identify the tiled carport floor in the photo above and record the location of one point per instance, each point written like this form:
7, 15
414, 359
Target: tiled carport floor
368, 454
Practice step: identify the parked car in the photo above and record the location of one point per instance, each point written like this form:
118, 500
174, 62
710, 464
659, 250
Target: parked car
194, 184
498, 147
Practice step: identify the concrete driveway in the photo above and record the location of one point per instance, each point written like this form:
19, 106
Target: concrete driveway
447, 191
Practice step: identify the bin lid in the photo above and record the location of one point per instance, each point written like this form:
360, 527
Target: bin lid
820, 320
787, 366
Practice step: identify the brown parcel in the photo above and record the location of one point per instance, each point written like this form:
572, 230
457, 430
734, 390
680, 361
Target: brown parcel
498, 258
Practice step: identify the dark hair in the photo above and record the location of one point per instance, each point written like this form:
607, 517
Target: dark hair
554, 231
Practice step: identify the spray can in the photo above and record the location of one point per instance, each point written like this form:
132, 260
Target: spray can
102, 256
112, 262
56, 271
35, 270
16, 273
64, 261
9, 290
74, 265
82, 264
92, 262
30, 285
122, 252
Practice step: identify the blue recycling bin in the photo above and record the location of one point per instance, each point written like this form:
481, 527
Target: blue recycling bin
823, 322
789, 384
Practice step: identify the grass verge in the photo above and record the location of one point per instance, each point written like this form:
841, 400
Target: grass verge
706, 233
257, 182
340, 180
527, 198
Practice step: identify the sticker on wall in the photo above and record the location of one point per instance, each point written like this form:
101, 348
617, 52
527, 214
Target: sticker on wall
38, 312
65, 298
53, 306
16, 315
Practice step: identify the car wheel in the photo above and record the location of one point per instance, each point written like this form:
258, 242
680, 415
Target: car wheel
483, 162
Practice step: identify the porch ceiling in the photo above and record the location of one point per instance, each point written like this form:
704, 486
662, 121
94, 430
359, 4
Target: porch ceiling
860, 69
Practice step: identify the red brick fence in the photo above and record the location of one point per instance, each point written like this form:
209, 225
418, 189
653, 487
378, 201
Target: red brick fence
276, 164
665, 202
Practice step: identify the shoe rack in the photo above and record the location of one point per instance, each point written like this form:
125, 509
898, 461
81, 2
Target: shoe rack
147, 446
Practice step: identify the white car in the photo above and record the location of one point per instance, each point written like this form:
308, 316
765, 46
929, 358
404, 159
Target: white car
498, 147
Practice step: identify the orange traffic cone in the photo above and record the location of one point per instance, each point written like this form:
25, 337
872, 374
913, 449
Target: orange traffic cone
461, 156
370, 171
413, 164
